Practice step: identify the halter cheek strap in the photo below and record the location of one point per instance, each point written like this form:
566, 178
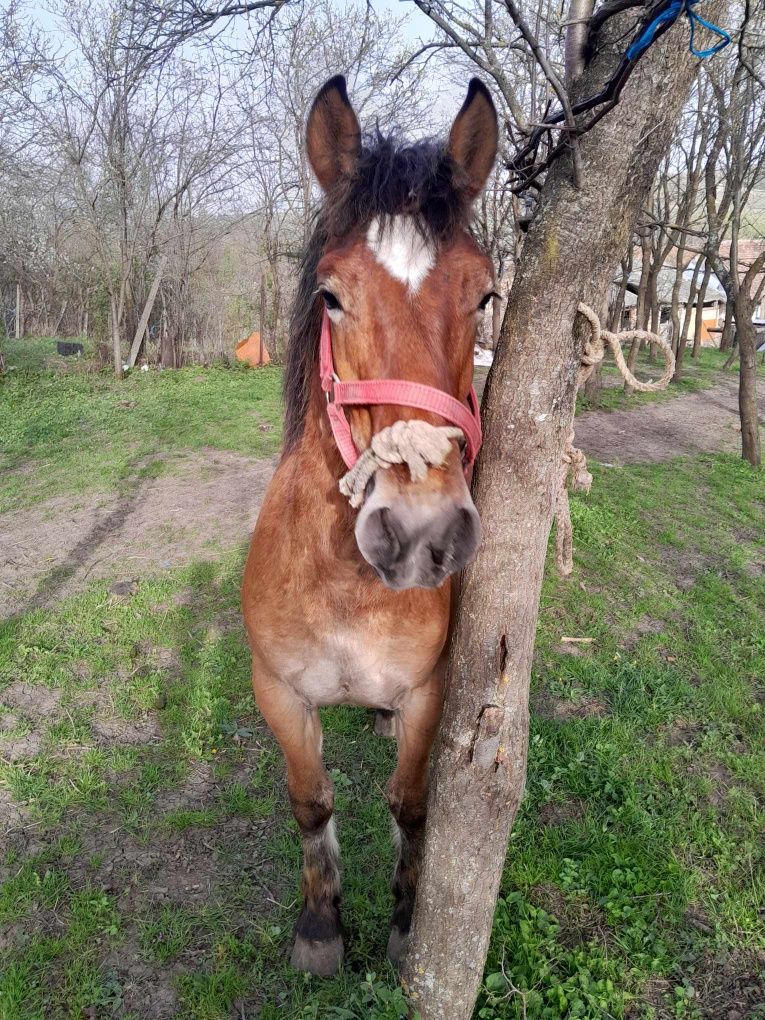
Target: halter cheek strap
399, 392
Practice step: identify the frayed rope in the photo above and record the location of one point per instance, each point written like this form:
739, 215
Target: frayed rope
418, 444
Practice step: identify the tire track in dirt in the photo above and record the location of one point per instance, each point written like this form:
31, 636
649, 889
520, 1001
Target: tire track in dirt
209, 503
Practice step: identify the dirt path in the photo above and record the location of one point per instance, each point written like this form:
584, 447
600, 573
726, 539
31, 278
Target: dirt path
210, 503
694, 423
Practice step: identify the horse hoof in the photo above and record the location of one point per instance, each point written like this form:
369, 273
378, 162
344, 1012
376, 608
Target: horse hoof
320, 958
398, 943
385, 723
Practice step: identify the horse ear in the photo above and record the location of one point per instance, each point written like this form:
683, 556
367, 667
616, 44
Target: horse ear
333, 136
473, 137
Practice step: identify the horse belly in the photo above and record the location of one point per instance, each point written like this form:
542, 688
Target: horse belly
347, 670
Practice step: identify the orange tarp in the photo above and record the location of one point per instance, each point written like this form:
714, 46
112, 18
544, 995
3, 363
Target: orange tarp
250, 350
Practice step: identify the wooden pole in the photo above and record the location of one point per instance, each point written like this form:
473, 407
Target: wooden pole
18, 311
143, 322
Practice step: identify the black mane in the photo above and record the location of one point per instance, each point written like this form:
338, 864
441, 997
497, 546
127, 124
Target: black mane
392, 178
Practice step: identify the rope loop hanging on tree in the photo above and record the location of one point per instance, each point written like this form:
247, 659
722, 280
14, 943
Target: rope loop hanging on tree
574, 473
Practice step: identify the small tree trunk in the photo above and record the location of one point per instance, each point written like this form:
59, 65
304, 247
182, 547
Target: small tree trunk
19, 312
642, 305
674, 306
747, 387
726, 337
632, 359
480, 760
496, 319
114, 324
263, 315
593, 387
682, 332
699, 320
142, 329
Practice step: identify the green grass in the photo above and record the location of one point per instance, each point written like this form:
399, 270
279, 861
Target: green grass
67, 429
159, 861
698, 374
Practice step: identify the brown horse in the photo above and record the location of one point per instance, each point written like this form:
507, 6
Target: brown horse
352, 607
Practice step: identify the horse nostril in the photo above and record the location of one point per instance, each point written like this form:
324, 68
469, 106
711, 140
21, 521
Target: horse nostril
386, 526
437, 555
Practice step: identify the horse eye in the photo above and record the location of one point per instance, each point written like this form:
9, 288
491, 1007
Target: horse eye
485, 300
330, 301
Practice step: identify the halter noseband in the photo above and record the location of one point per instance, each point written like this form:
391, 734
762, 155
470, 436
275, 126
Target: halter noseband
399, 392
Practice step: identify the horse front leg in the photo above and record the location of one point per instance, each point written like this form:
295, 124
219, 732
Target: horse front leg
318, 946
416, 723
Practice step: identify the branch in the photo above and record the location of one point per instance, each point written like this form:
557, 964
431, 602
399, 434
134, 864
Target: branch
558, 86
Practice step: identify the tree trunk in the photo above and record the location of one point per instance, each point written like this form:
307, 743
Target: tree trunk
480, 761
686, 320
643, 304
114, 323
726, 337
615, 318
263, 310
496, 319
19, 312
593, 386
699, 320
674, 305
747, 388
142, 329
655, 326
641, 322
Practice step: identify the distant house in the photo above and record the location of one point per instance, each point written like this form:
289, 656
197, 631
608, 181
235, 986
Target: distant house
714, 303
715, 298
748, 251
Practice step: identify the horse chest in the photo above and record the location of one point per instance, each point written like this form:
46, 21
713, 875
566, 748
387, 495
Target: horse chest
354, 667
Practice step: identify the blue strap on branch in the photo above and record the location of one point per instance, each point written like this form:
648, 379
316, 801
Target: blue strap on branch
665, 18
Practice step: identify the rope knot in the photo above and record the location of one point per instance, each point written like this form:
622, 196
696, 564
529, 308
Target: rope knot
416, 443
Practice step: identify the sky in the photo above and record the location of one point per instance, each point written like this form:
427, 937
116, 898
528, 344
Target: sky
419, 26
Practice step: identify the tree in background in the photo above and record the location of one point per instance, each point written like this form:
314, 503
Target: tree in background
143, 146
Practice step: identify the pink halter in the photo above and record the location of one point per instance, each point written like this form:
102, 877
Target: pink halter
390, 391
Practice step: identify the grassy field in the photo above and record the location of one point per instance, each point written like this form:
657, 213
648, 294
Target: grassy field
151, 868
66, 429
698, 374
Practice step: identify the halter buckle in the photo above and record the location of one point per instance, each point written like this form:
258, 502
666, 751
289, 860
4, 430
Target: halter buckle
329, 388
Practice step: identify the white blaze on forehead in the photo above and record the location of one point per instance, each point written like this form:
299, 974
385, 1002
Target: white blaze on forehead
401, 248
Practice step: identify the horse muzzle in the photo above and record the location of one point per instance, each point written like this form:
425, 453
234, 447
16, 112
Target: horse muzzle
417, 543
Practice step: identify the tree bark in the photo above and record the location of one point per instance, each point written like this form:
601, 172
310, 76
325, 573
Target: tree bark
699, 320
682, 333
263, 299
593, 386
496, 319
19, 325
480, 761
747, 370
114, 322
643, 304
726, 337
674, 304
